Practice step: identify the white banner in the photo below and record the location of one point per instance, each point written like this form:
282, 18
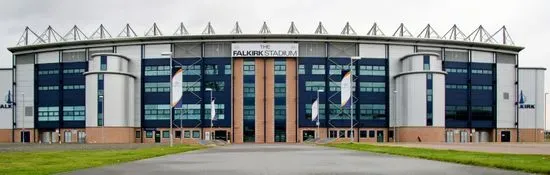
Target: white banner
346, 89
213, 109
264, 50
315, 110
177, 88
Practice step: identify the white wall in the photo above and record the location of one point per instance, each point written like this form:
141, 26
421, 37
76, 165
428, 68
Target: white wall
395, 53
372, 50
91, 100
438, 110
25, 84
531, 83
115, 100
482, 57
48, 57
155, 51
411, 100
6, 114
118, 94
506, 113
134, 67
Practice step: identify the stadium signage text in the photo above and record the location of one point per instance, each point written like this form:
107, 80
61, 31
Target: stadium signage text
264, 50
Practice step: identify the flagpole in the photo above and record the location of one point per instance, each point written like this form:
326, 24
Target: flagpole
351, 94
318, 114
171, 107
211, 117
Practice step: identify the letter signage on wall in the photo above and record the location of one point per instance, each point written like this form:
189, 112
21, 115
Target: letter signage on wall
264, 50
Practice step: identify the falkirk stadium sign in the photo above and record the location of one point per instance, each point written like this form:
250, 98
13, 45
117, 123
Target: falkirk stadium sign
264, 50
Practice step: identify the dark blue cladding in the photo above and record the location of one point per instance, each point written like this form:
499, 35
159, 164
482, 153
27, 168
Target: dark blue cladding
196, 79
74, 92
370, 90
470, 95
48, 95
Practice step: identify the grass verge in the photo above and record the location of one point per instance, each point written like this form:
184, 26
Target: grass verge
521, 162
50, 162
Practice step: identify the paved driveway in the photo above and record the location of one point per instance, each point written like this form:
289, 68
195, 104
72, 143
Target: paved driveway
286, 159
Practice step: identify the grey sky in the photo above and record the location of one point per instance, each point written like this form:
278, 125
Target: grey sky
527, 21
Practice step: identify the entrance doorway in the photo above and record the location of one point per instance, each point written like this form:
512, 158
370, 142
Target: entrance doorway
505, 136
25, 136
220, 135
307, 135
157, 136
379, 136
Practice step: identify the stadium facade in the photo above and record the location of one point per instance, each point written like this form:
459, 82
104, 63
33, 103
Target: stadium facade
406, 88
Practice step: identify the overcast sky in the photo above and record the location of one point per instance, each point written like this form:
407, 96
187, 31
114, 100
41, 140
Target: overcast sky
528, 21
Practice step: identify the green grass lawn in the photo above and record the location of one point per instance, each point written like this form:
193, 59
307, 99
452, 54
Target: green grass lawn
50, 162
528, 163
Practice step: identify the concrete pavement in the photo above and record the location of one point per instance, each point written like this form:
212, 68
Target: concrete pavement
286, 159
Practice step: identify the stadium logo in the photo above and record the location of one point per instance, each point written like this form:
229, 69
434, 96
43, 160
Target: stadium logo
8, 101
522, 104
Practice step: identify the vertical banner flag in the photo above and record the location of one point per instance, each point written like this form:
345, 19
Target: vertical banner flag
177, 88
315, 111
346, 89
212, 109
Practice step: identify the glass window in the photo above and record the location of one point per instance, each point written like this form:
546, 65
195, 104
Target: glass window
337, 69
280, 90
301, 69
48, 88
321, 111
372, 70
372, 111
48, 72
314, 85
187, 134
482, 112
342, 133
363, 134
196, 134
157, 87
178, 134
426, 66
456, 113
157, 112
148, 134
249, 89
249, 112
333, 134
211, 69
219, 111
227, 70
50, 113
372, 86
157, 70
138, 134
165, 134
189, 69
73, 87
248, 67
371, 133
74, 113
280, 67
318, 69
280, 112
188, 112
456, 70
217, 86
73, 71
191, 86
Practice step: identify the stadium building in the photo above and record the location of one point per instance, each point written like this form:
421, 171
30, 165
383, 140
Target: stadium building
428, 87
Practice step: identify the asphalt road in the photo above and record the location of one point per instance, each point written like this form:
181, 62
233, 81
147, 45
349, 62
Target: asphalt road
286, 159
